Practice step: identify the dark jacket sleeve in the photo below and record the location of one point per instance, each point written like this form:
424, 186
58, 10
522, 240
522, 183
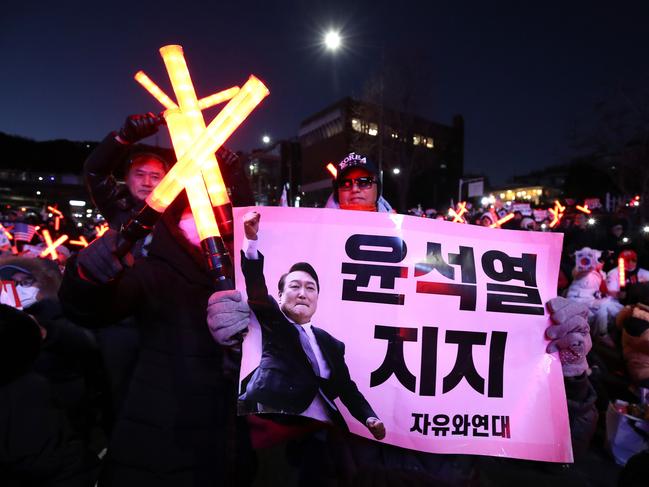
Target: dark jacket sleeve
348, 391
94, 305
582, 412
262, 304
98, 172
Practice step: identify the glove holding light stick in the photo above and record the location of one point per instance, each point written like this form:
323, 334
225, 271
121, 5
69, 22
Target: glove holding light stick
197, 172
195, 146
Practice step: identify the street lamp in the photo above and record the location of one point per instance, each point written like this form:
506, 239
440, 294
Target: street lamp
332, 40
265, 139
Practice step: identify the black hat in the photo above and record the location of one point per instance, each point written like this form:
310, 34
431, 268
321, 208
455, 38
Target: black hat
351, 161
7, 271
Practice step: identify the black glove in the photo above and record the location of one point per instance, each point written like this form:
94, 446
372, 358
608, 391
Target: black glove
98, 262
137, 127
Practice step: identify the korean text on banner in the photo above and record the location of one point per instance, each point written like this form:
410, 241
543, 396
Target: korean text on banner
435, 328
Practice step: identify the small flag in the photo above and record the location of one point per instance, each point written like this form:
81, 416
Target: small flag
24, 232
283, 200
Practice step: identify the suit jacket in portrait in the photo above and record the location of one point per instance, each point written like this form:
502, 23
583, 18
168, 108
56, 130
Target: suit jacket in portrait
285, 380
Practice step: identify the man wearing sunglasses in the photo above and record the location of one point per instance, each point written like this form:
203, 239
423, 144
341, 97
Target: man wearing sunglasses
357, 186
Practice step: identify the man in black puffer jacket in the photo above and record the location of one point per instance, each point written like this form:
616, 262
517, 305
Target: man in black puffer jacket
172, 427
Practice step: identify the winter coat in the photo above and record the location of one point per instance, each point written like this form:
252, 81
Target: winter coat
37, 447
69, 359
172, 427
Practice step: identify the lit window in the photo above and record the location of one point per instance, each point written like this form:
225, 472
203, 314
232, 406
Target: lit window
429, 142
356, 125
416, 139
373, 130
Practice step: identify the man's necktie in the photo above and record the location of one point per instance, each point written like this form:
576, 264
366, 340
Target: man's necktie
306, 346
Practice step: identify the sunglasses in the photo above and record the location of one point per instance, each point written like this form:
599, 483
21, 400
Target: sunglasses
364, 182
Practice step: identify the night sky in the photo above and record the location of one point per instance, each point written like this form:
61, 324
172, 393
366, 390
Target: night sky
521, 75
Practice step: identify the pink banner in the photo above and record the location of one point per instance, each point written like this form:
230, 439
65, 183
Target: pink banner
435, 328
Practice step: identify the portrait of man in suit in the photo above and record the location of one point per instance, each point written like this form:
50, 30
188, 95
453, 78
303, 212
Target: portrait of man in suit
302, 368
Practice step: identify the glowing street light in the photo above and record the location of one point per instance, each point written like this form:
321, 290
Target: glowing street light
265, 139
396, 170
332, 40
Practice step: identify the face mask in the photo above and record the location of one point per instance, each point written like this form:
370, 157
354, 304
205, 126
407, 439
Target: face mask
27, 295
188, 227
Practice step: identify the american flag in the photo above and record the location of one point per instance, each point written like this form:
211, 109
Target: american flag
24, 231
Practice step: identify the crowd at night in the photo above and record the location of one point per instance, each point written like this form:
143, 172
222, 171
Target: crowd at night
149, 189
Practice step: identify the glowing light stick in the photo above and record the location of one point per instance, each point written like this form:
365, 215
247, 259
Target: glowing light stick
193, 124
504, 219
181, 134
216, 133
165, 101
197, 169
457, 215
6, 232
55, 211
51, 246
57, 217
621, 272
154, 90
584, 209
185, 125
216, 98
557, 213
332, 169
82, 242
101, 229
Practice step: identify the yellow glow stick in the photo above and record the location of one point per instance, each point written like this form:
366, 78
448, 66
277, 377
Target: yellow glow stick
504, 219
155, 90
193, 123
199, 201
216, 98
216, 133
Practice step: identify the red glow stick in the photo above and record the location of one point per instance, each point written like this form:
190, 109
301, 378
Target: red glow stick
82, 242
55, 211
